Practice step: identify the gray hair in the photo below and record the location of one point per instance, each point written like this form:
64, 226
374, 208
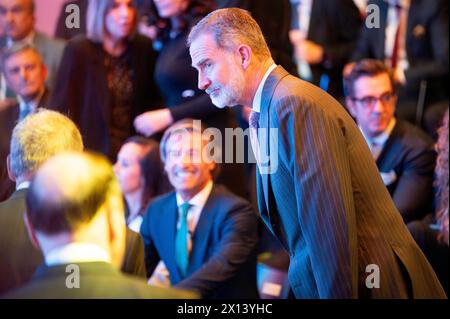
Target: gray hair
95, 19
230, 28
17, 48
40, 136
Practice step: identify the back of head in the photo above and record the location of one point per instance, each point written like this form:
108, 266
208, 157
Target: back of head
230, 28
40, 136
68, 190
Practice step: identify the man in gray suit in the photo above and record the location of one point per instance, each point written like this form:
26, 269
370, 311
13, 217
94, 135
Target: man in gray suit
18, 23
320, 192
34, 140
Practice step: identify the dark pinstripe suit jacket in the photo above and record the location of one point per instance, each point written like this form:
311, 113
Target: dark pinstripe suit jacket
327, 203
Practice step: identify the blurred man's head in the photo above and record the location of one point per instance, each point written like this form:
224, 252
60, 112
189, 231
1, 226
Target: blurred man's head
75, 197
25, 71
17, 18
187, 164
37, 138
371, 97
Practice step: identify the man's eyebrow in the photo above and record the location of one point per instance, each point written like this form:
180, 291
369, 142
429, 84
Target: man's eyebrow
201, 62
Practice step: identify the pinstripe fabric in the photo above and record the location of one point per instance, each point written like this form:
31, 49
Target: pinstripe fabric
328, 205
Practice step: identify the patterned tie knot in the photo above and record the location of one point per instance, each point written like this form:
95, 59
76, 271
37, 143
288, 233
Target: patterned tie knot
253, 119
184, 209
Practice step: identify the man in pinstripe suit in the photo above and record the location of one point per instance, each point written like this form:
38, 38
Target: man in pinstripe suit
324, 199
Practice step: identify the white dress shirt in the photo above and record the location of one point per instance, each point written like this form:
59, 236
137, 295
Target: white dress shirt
161, 276
304, 8
392, 24
380, 139
256, 107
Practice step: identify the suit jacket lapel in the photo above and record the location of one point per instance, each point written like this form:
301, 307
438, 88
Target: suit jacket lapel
168, 231
263, 180
202, 232
389, 153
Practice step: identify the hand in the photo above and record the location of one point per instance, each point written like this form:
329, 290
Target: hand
152, 122
7, 103
148, 31
399, 76
309, 52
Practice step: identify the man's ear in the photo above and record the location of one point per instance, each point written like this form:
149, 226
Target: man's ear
31, 232
8, 166
245, 55
350, 106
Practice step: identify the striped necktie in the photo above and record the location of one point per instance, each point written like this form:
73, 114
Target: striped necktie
181, 241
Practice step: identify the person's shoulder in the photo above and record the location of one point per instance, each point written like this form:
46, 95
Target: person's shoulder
51, 42
227, 200
412, 135
14, 203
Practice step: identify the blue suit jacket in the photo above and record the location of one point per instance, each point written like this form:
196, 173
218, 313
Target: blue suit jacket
327, 204
409, 157
222, 263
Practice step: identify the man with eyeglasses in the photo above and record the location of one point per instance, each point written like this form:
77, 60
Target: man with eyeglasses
403, 153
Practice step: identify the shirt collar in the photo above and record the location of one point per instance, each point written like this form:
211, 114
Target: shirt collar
381, 138
23, 185
256, 106
76, 253
27, 40
33, 103
200, 198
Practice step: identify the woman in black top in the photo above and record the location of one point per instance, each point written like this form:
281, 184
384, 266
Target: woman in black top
105, 79
168, 24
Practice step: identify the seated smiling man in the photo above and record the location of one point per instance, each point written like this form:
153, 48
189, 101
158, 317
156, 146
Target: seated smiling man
205, 235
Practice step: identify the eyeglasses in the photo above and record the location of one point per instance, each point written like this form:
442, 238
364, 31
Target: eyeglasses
370, 101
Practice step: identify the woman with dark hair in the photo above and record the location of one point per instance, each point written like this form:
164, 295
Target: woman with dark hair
432, 234
105, 78
140, 174
168, 24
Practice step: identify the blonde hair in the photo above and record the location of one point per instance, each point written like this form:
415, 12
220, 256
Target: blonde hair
40, 136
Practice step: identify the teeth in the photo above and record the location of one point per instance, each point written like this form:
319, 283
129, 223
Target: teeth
183, 174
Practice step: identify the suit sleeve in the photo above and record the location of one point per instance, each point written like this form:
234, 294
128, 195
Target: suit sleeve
314, 148
67, 90
151, 254
237, 243
438, 35
414, 191
348, 22
199, 108
134, 255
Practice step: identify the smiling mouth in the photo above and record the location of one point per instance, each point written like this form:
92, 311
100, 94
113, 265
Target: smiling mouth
184, 173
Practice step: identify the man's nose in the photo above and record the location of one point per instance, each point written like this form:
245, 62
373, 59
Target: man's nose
203, 82
378, 106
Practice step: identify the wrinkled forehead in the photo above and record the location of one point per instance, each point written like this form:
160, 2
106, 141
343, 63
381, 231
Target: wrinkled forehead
27, 56
203, 47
